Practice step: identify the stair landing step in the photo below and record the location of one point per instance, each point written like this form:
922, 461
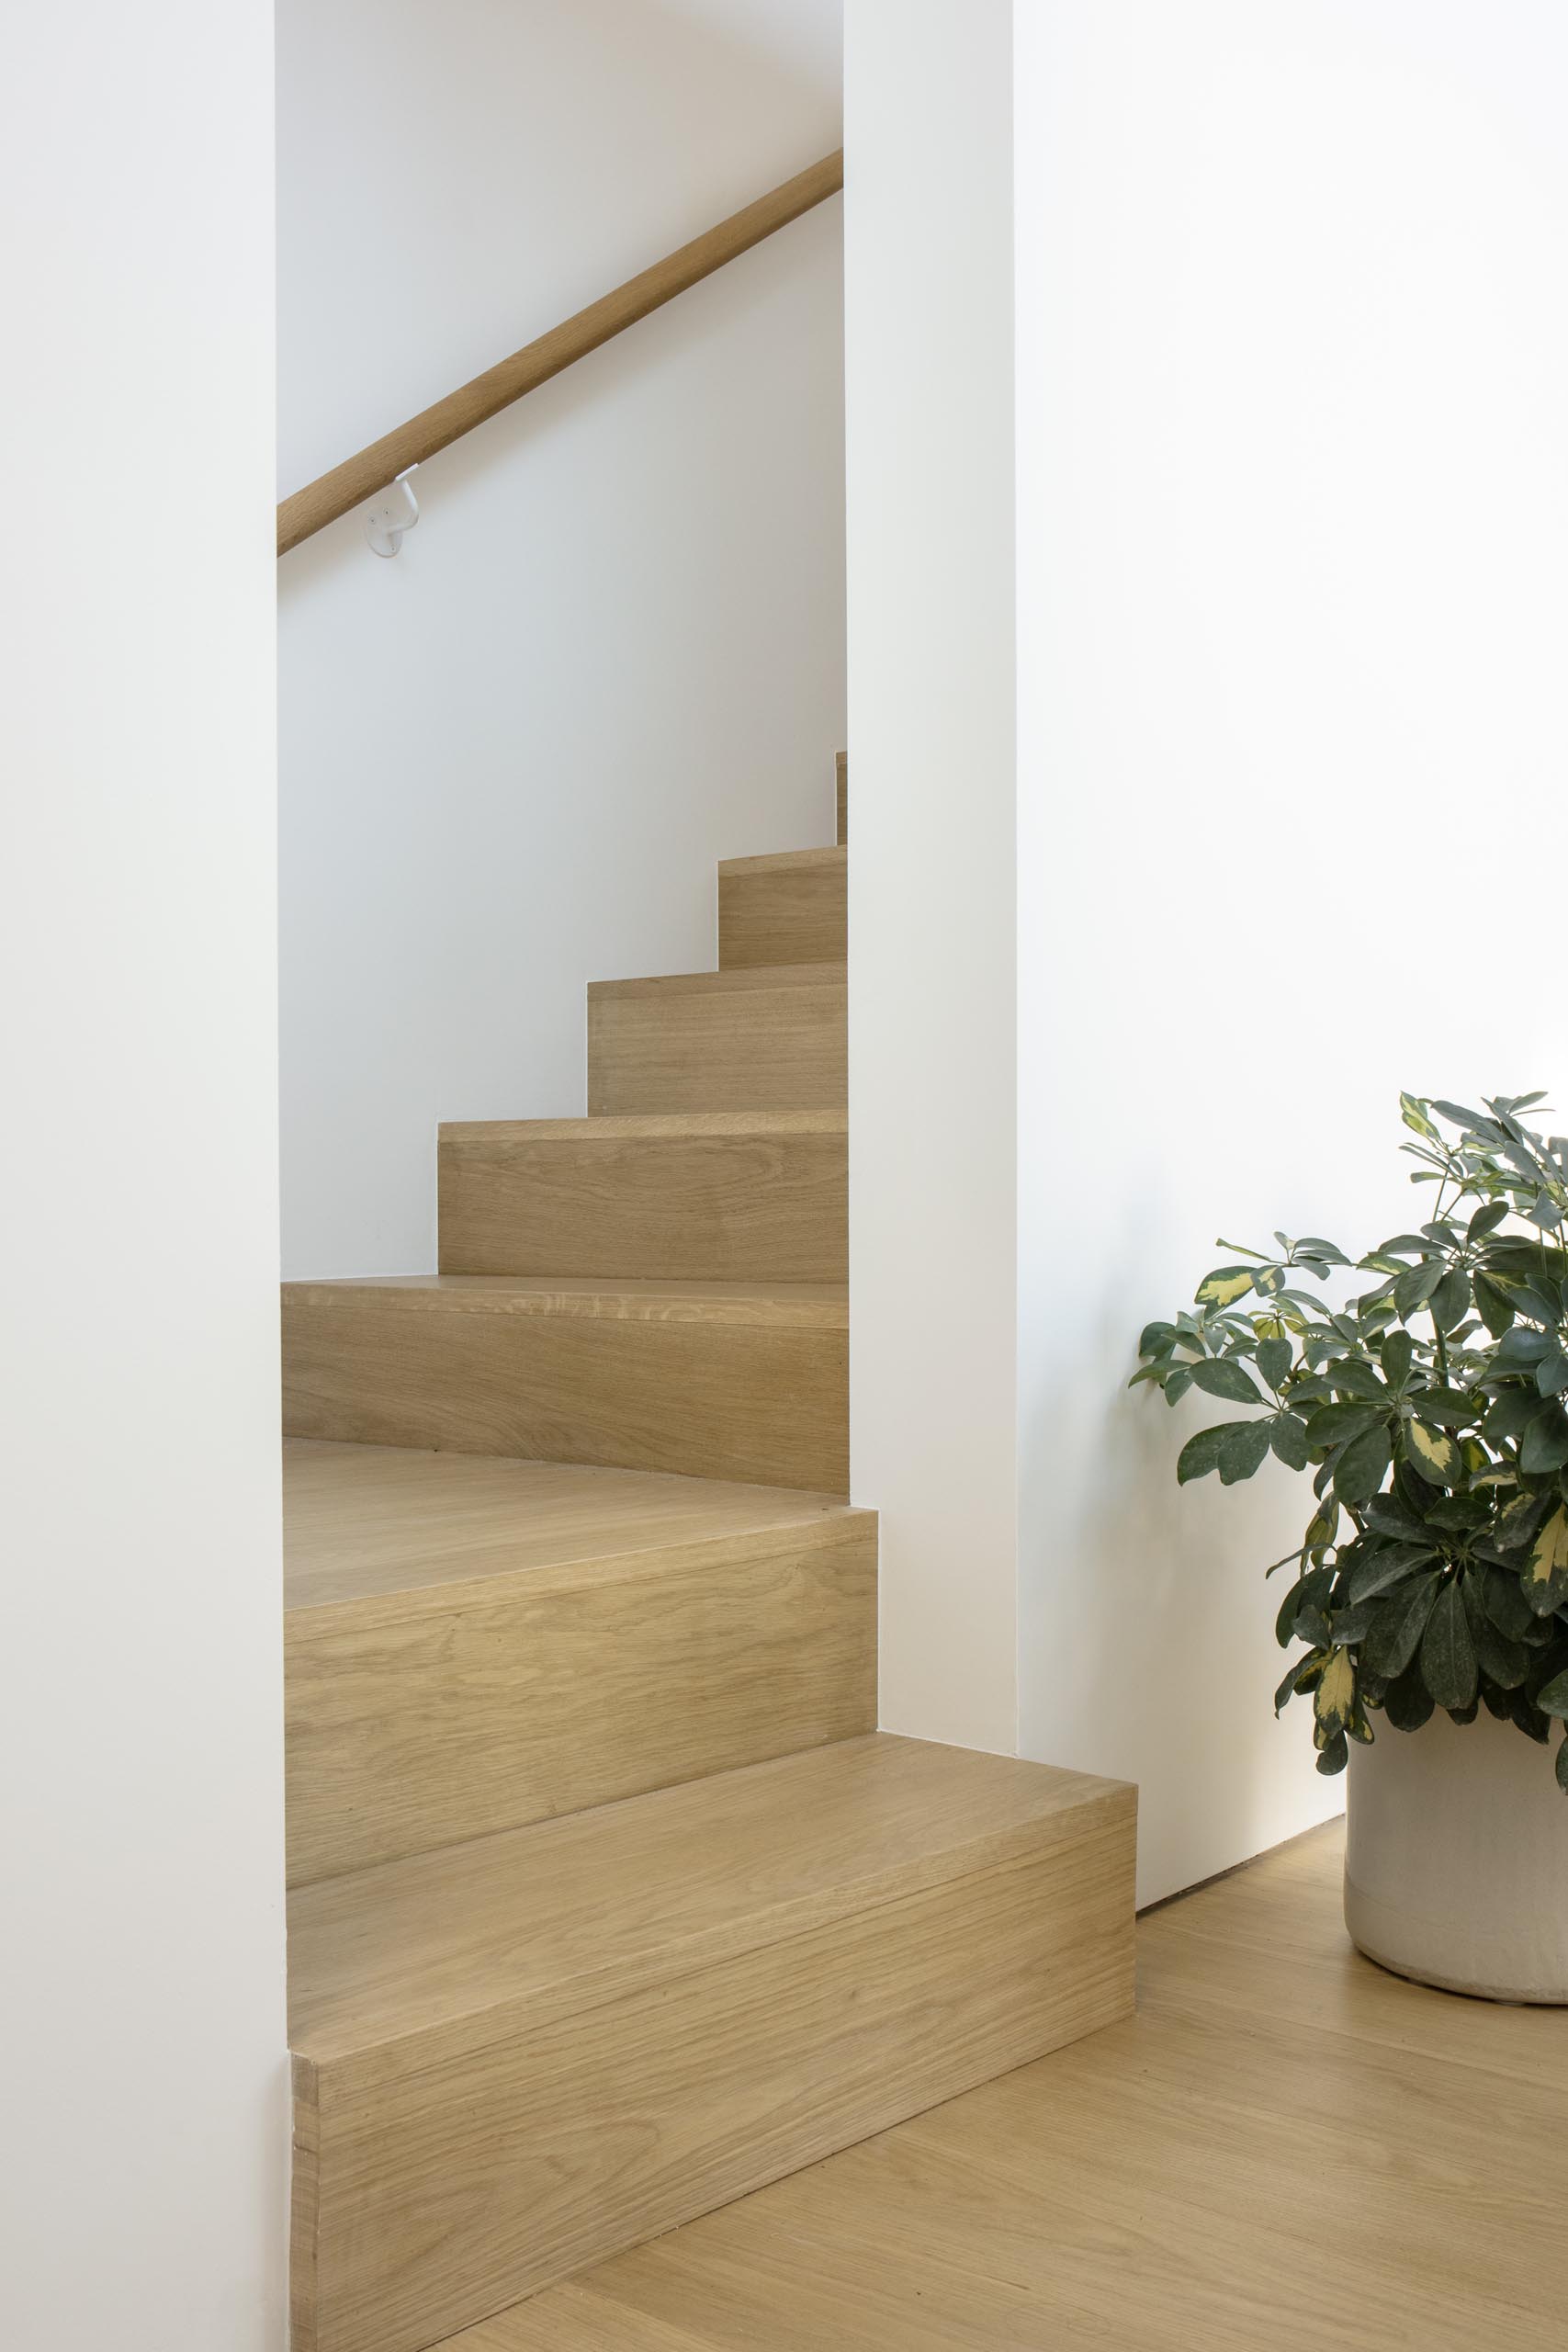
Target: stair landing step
362, 1522
517, 2055
459, 1946
474, 1644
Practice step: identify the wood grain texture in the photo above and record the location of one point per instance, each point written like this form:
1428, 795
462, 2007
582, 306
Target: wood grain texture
784, 910
1154, 2186
565, 2038
370, 469
558, 1652
771, 1038
699, 1196
724, 1382
841, 781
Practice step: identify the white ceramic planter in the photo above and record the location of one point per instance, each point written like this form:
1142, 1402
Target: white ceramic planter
1456, 1858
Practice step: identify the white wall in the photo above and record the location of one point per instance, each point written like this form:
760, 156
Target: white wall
142, 2184
612, 651
933, 1062
1291, 494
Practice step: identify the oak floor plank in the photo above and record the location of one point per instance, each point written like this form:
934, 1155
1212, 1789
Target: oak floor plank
1374, 2165
515, 2056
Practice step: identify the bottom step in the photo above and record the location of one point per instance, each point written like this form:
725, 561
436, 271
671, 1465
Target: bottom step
517, 2055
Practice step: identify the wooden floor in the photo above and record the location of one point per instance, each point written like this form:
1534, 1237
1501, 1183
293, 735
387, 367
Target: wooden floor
1286, 2148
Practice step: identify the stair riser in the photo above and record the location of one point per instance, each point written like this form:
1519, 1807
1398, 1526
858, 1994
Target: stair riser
772, 913
419, 1719
438, 2194
767, 1403
702, 1208
747, 1049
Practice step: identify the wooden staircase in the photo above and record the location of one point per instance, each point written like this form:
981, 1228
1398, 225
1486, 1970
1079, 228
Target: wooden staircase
609, 1903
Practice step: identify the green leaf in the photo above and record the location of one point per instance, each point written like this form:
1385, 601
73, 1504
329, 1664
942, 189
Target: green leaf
1287, 1435
1407, 1702
1511, 1415
1398, 1351
1333, 1757
1517, 1522
1274, 1360
1545, 1443
1242, 1450
1452, 1408
1486, 1220
1448, 1655
1225, 1287
1506, 1604
1314, 1246
1436, 1453
1361, 1470
1309, 1591
1450, 1300
1337, 1424
1202, 1454
1395, 1633
1554, 1699
1551, 1372
1378, 1570
1494, 1304
1292, 1683
1157, 1338
1503, 1662
1226, 1376
1561, 1767
1179, 1382
1416, 1287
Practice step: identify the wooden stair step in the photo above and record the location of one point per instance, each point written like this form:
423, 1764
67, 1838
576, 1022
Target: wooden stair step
474, 1644
520, 2055
689, 1196
771, 1037
713, 1380
788, 909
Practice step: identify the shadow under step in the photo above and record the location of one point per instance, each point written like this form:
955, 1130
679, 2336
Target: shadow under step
688, 1196
516, 2056
472, 1644
716, 1381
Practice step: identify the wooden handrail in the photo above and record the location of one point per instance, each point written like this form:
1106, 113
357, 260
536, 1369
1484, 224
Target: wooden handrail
322, 500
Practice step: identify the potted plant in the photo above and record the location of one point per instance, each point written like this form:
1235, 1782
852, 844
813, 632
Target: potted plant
1430, 1590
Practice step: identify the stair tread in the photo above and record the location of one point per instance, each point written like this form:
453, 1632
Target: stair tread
364, 1520
648, 1126
788, 861
822, 1306
459, 1946
749, 975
